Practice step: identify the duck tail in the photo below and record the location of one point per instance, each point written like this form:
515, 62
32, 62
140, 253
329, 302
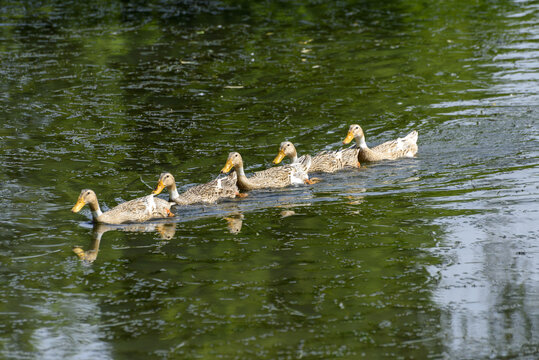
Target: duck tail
412, 136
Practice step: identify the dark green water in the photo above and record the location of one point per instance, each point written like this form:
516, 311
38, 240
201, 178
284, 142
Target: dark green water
431, 257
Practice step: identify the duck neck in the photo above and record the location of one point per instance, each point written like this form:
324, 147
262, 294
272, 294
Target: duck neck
96, 211
294, 157
243, 181
173, 191
360, 142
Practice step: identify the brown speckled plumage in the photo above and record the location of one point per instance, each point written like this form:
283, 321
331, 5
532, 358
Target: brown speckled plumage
325, 161
210, 192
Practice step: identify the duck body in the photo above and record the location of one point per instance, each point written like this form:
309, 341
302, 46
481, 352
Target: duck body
136, 210
325, 161
390, 150
208, 193
332, 161
275, 177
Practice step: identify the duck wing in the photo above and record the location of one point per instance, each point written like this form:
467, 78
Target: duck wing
210, 192
275, 177
327, 161
300, 170
400, 147
136, 210
349, 156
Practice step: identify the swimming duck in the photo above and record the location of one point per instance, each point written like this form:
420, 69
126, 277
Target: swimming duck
325, 161
204, 193
137, 210
275, 177
394, 149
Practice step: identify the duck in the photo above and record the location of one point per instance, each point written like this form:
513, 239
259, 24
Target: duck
136, 210
390, 150
325, 161
275, 177
207, 193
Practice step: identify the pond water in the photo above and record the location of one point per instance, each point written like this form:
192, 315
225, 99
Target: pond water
431, 257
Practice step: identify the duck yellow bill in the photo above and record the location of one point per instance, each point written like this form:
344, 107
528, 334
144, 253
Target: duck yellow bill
279, 157
79, 205
228, 167
160, 186
348, 138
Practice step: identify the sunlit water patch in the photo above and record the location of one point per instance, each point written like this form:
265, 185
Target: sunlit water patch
486, 287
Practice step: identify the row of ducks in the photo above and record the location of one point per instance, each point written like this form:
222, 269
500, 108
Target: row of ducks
297, 172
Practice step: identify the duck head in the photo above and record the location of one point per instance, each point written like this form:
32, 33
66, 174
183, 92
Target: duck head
234, 161
86, 196
166, 180
354, 132
286, 149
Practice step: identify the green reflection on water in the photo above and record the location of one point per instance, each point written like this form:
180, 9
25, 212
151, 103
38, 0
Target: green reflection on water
107, 95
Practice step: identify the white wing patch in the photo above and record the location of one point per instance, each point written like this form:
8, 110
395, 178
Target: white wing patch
150, 204
297, 174
295, 178
400, 144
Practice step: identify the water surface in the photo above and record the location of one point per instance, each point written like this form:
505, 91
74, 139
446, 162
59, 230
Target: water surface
430, 257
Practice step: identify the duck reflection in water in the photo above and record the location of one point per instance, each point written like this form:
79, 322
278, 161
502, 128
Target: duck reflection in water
234, 222
166, 232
